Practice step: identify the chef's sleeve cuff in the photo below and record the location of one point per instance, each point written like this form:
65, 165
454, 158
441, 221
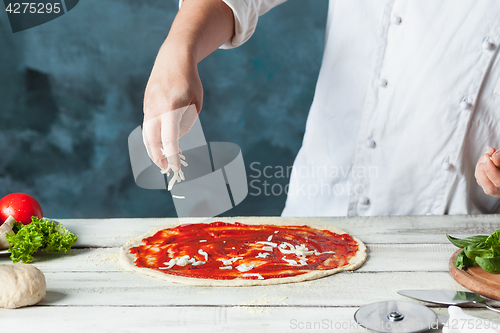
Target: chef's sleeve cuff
246, 14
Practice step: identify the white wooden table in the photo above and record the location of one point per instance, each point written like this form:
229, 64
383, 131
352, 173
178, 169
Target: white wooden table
88, 291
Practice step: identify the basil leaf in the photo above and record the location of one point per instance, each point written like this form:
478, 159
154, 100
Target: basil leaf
495, 249
491, 265
477, 250
466, 241
494, 238
465, 296
461, 260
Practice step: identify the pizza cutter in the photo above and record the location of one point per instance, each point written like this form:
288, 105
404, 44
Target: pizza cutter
396, 316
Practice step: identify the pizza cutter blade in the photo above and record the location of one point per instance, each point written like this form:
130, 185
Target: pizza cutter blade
396, 316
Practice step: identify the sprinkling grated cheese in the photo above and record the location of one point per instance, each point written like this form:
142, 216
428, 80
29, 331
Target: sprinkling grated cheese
169, 264
226, 262
302, 262
269, 238
203, 240
226, 267
299, 250
245, 268
282, 247
318, 253
267, 248
178, 175
290, 261
260, 277
182, 261
203, 253
268, 243
230, 261
263, 255
302, 250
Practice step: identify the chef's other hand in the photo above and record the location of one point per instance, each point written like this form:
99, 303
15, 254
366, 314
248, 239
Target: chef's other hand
172, 101
487, 172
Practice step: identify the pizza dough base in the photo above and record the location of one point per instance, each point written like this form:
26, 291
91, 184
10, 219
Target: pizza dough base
127, 260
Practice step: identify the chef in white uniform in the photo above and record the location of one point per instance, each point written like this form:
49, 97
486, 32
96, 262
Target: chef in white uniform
406, 105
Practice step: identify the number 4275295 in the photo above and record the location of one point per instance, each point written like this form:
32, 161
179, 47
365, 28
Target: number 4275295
33, 8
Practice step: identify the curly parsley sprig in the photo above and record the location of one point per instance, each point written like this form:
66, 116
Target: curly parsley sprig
40, 234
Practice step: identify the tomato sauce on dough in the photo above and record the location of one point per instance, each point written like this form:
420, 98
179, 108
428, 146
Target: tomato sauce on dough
252, 251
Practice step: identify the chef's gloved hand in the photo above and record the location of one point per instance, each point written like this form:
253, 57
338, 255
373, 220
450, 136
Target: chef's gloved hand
460, 322
487, 172
161, 136
172, 101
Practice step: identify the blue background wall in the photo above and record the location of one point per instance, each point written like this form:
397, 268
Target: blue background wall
71, 92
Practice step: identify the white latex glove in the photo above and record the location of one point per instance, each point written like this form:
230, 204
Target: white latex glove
161, 136
460, 322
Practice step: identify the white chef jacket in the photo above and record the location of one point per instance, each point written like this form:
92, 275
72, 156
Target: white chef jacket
407, 100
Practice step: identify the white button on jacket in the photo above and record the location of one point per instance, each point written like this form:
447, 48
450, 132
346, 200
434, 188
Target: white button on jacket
370, 143
382, 83
396, 20
443, 50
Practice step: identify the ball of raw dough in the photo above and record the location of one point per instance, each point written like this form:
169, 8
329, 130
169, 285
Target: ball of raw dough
20, 285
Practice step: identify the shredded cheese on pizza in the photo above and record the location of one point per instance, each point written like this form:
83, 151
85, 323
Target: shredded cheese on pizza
231, 251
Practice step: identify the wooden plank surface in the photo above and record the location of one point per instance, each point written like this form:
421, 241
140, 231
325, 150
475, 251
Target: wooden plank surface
190, 319
185, 319
88, 291
383, 229
346, 289
94, 276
